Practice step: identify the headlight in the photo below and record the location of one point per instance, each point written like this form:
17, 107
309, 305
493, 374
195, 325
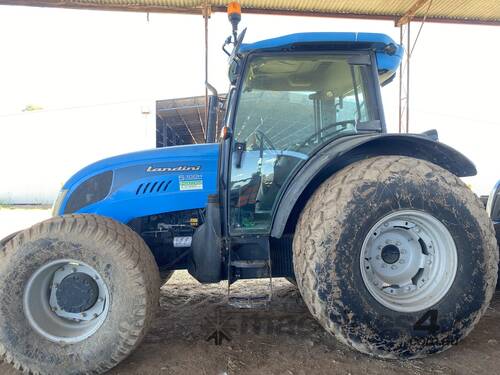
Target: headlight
93, 190
57, 203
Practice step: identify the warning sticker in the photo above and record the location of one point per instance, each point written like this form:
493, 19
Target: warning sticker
191, 182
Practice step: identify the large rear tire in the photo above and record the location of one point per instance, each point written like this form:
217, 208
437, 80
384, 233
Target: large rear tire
396, 257
77, 295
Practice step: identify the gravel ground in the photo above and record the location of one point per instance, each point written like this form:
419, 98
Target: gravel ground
283, 339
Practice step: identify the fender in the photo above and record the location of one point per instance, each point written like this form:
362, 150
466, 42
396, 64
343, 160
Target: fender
346, 150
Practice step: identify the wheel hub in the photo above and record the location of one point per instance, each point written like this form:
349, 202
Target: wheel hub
77, 293
408, 260
390, 254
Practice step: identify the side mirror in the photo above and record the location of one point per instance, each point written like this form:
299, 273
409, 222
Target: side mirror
225, 133
213, 101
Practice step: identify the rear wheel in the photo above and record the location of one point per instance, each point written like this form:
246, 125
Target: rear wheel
78, 295
396, 257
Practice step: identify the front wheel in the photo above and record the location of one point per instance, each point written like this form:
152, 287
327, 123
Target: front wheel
396, 257
77, 295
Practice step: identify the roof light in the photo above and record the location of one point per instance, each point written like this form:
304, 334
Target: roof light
234, 15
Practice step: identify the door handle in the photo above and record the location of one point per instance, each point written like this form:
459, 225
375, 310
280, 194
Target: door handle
239, 148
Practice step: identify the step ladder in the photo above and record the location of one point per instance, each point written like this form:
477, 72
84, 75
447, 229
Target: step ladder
249, 258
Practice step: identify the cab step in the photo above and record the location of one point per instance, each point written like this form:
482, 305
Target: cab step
249, 258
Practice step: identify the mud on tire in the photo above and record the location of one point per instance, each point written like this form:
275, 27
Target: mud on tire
331, 233
127, 268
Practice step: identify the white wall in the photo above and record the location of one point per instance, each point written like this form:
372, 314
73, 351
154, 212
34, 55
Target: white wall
40, 150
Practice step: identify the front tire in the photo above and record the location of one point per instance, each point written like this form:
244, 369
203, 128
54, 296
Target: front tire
78, 294
421, 213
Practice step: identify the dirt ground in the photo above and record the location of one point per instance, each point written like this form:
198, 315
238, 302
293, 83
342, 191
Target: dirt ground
283, 339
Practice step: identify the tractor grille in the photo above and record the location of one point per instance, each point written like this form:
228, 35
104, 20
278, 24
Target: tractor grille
153, 187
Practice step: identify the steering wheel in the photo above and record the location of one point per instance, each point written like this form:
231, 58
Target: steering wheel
263, 138
338, 123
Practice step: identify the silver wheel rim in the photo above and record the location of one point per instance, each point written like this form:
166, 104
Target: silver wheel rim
408, 261
42, 307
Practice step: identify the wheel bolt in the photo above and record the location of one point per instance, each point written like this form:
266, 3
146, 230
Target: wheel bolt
377, 257
402, 261
84, 315
429, 262
398, 243
393, 267
74, 270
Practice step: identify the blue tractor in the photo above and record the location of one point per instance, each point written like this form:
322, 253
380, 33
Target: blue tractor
389, 249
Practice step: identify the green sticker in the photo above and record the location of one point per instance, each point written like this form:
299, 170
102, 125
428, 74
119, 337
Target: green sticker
191, 182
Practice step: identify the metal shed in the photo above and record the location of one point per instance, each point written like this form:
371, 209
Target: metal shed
464, 11
180, 121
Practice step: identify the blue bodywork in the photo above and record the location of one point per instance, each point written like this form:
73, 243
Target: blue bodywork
389, 54
130, 195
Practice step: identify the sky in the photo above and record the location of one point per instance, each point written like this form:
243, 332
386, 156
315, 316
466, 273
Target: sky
60, 59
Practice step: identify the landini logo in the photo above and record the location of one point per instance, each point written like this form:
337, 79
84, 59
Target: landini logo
181, 168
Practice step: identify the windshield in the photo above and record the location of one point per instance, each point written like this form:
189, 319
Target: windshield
300, 102
290, 105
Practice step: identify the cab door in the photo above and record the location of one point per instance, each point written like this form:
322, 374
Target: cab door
290, 105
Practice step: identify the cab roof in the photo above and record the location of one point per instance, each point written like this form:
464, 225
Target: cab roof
389, 54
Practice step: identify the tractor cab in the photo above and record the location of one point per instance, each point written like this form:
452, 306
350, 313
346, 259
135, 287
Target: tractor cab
289, 97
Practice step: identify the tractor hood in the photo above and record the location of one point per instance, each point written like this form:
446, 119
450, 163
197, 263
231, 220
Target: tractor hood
143, 183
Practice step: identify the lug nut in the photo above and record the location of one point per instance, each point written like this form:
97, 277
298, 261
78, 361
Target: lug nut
402, 261
393, 267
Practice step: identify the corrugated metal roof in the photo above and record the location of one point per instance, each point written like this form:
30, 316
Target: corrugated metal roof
184, 116
470, 11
